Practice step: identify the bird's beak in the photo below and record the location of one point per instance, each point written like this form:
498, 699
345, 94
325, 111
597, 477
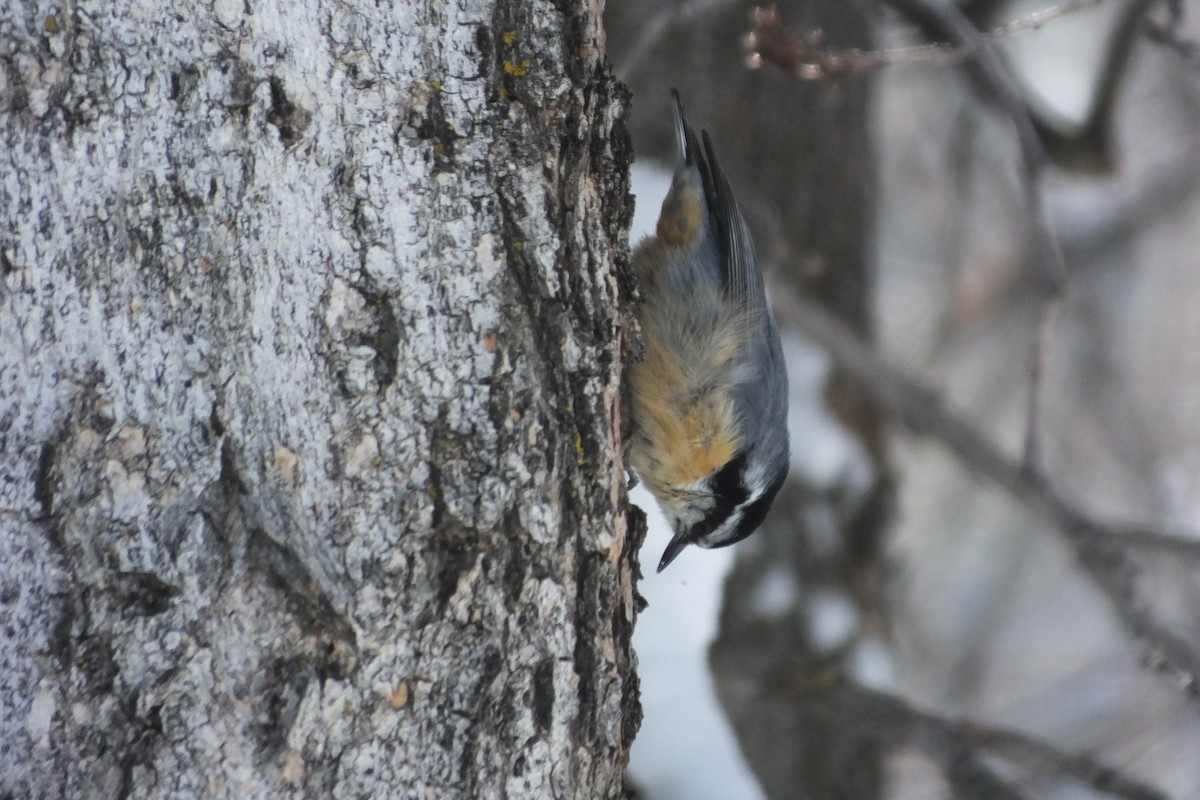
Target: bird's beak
678, 542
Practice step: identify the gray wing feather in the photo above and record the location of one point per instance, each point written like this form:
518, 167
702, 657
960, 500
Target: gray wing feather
743, 281
685, 137
739, 265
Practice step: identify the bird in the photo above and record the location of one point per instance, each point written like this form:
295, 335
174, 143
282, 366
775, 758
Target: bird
709, 399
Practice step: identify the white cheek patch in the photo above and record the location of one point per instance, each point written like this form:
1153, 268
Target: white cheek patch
723, 532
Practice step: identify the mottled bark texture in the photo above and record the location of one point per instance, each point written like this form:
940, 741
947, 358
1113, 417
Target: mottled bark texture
311, 474
800, 158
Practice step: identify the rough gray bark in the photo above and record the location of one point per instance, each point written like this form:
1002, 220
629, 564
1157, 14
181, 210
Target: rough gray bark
310, 450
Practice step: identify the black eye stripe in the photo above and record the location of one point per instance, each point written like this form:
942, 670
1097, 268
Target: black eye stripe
727, 482
756, 512
728, 493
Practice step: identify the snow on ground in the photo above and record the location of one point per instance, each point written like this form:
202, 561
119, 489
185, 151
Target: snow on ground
685, 748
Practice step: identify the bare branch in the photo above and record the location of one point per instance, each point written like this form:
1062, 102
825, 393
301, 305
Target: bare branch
1086, 148
1167, 35
770, 43
959, 747
993, 75
1099, 544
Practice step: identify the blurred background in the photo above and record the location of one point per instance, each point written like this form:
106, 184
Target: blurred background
980, 225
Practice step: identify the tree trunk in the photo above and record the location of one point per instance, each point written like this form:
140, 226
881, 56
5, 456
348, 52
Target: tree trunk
311, 473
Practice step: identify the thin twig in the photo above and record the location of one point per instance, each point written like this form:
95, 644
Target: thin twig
1031, 458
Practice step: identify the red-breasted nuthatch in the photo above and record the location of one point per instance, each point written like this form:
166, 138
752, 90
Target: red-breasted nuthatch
709, 401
